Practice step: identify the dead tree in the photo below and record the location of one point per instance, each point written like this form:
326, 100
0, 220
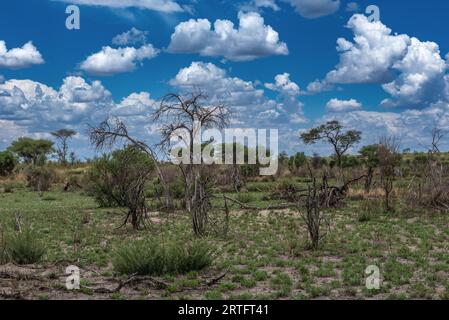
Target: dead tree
432, 188
389, 160
185, 116
314, 218
110, 131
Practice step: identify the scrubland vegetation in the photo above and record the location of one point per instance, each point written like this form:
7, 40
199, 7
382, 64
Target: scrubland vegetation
141, 228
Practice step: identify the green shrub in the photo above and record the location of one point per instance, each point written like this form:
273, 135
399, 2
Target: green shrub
245, 197
115, 179
4, 256
156, 190
177, 189
153, 258
7, 163
23, 248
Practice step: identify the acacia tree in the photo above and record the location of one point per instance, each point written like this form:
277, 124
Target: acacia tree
335, 134
32, 151
189, 114
63, 136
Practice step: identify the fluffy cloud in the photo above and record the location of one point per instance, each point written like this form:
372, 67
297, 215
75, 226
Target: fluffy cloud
35, 109
18, 58
336, 105
314, 8
136, 104
234, 92
412, 127
285, 85
288, 101
251, 40
41, 108
370, 58
421, 78
131, 37
158, 5
247, 101
110, 61
412, 72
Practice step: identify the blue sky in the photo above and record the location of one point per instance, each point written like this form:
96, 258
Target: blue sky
387, 76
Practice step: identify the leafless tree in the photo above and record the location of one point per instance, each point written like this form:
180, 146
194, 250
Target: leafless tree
389, 160
432, 188
314, 217
190, 113
437, 135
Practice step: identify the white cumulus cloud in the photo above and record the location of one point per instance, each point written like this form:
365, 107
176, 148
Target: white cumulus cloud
251, 40
110, 61
289, 93
246, 100
336, 105
411, 71
18, 58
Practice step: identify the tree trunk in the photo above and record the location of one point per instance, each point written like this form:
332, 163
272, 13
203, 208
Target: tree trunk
369, 180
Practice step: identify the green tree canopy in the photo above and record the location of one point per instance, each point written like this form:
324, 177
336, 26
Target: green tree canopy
32, 151
7, 163
333, 133
370, 155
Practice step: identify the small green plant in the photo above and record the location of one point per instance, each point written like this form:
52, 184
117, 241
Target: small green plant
23, 248
4, 256
364, 216
245, 197
154, 258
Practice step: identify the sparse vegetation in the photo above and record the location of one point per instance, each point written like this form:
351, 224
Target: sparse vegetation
380, 207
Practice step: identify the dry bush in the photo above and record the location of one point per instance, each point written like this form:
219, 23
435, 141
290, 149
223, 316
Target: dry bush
40, 178
314, 217
431, 188
389, 162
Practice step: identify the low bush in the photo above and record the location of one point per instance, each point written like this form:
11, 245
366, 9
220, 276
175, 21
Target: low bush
154, 258
23, 248
40, 178
245, 197
7, 163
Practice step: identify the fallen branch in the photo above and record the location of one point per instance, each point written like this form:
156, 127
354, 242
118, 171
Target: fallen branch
270, 207
132, 279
